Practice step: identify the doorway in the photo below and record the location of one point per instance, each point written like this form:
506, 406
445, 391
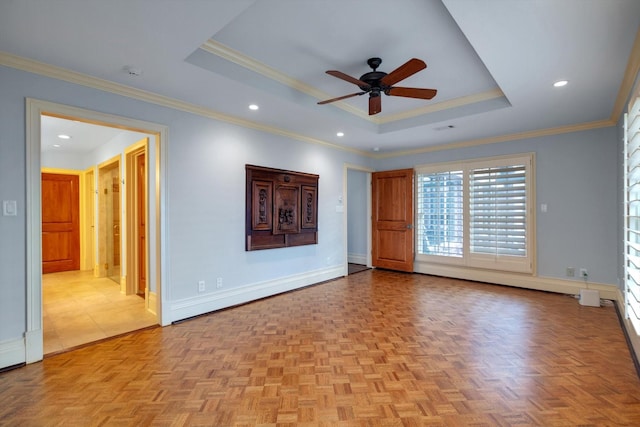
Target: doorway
34, 337
357, 218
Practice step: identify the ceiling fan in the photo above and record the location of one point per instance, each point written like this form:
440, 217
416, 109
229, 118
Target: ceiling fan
377, 82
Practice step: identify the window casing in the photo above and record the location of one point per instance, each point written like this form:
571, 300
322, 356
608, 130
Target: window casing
632, 212
477, 213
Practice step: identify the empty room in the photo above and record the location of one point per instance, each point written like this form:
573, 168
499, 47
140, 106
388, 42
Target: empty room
320, 213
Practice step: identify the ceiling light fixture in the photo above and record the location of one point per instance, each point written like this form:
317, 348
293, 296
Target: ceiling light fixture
340, 134
63, 136
56, 145
560, 83
253, 107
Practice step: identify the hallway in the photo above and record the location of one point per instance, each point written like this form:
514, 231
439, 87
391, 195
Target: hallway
79, 308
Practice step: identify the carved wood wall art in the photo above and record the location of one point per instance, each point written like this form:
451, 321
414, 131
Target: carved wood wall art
281, 208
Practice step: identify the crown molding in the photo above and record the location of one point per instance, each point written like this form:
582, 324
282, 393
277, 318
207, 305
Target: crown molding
232, 55
263, 69
444, 105
503, 138
64, 74
59, 73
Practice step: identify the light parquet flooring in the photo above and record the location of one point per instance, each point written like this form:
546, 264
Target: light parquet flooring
377, 348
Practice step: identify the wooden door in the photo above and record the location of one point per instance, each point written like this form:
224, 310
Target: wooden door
141, 221
392, 222
60, 222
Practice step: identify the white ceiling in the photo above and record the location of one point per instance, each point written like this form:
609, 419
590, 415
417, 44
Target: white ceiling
493, 62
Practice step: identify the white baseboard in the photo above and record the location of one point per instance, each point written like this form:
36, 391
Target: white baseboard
357, 259
225, 298
12, 353
540, 283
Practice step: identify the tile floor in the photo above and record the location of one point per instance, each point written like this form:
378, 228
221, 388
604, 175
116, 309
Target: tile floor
79, 308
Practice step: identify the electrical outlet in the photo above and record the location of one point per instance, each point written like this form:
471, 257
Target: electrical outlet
201, 286
219, 283
571, 272
584, 273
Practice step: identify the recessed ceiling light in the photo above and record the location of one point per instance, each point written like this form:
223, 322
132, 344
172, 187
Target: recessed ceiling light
341, 134
253, 107
560, 83
63, 136
56, 145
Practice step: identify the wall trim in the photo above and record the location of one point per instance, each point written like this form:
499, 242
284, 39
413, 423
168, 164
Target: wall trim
503, 138
12, 352
59, 73
195, 306
539, 283
357, 258
64, 74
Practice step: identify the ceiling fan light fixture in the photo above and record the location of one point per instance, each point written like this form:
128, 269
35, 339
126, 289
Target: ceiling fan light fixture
375, 83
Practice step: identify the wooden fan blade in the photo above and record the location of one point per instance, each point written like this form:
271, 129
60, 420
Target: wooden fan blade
375, 105
407, 69
340, 97
345, 77
411, 92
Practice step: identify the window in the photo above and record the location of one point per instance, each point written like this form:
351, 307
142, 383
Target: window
476, 213
440, 213
632, 213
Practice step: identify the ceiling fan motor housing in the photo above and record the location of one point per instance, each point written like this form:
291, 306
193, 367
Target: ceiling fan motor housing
373, 79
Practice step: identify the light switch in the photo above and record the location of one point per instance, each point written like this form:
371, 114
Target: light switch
9, 208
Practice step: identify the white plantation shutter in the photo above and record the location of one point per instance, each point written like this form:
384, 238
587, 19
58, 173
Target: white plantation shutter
477, 213
498, 210
632, 213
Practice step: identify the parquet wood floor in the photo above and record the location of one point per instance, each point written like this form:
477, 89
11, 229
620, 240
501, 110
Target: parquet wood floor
377, 348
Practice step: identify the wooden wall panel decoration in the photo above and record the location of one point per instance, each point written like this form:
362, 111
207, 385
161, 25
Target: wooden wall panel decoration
281, 208
262, 209
287, 209
309, 203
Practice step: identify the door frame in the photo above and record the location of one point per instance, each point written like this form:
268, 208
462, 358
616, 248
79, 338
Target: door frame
345, 244
35, 108
130, 221
87, 219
